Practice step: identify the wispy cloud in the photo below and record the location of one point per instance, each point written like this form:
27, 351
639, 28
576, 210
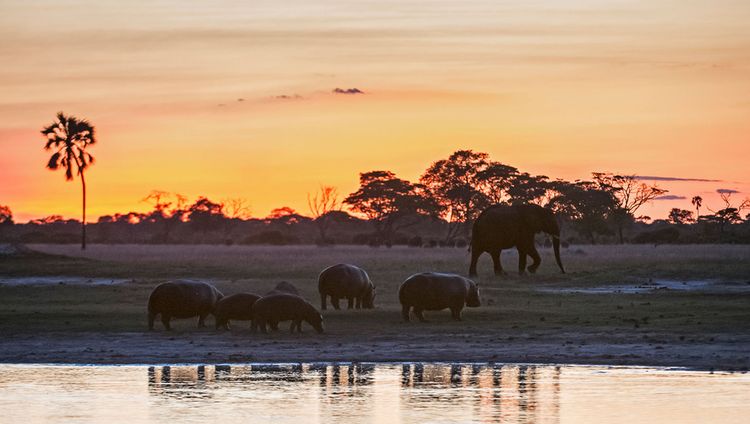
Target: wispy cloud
660, 178
288, 97
670, 197
353, 90
726, 191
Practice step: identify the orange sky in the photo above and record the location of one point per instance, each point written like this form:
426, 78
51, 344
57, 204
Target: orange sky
560, 88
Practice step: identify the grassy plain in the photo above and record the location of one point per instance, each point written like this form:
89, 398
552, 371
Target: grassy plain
522, 318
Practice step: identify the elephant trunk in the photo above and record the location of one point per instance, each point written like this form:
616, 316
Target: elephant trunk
556, 246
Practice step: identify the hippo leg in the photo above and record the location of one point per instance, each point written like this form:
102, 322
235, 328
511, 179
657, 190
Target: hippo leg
456, 313
350, 304
323, 303
274, 325
165, 320
202, 320
335, 303
405, 312
418, 313
151, 318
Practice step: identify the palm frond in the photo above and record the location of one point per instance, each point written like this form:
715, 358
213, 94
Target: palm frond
53, 161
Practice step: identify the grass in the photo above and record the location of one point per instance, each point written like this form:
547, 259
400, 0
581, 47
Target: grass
512, 307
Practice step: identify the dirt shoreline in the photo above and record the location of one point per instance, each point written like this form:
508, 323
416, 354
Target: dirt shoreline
731, 354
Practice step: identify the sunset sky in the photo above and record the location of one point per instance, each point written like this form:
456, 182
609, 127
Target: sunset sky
561, 88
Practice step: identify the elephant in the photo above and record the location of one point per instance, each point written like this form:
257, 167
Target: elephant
502, 227
182, 299
348, 282
238, 306
433, 291
272, 309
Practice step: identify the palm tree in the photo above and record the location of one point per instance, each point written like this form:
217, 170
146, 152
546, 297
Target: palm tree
69, 137
697, 201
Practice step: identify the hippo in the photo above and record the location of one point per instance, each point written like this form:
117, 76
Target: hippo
271, 309
237, 306
284, 287
182, 299
347, 282
433, 291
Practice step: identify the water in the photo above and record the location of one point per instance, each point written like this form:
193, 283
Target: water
372, 393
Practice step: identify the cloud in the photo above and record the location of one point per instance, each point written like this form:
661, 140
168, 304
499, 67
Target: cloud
726, 191
670, 197
658, 178
347, 91
288, 97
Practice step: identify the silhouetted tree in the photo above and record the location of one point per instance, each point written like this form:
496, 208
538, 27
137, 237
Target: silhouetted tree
205, 215
388, 202
729, 214
169, 210
697, 201
680, 216
69, 137
323, 202
6, 216
586, 205
631, 194
526, 188
456, 185
496, 180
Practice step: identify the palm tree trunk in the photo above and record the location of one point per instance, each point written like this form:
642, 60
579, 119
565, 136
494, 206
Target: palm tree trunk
83, 221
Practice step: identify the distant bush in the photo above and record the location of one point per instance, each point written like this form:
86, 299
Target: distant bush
415, 241
272, 237
660, 236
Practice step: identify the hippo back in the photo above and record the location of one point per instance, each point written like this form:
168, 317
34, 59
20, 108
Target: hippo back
345, 280
183, 298
236, 306
284, 287
435, 291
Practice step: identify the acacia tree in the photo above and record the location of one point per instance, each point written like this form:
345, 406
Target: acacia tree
729, 214
169, 210
457, 186
586, 205
321, 204
631, 194
680, 216
388, 202
69, 137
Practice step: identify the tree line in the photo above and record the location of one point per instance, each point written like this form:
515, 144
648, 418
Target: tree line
438, 209
385, 209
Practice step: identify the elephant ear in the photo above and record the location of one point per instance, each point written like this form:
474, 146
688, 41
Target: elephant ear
532, 219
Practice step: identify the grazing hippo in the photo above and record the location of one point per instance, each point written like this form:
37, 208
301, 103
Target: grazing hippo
237, 306
347, 282
182, 299
433, 291
284, 287
272, 309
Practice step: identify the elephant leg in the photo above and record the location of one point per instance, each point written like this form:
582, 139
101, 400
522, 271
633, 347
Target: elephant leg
165, 320
498, 266
521, 261
292, 326
226, 324
219, 323
456, 313
358, 302
350, 303
335, 303
299, 325
405, 312
323, 303
418, 313
536, 258
151, 318
263, 328
475, 254
274, 325
254, 326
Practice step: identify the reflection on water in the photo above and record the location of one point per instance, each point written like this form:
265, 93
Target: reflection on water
369, 392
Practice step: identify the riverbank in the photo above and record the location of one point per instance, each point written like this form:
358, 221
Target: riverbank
62, 306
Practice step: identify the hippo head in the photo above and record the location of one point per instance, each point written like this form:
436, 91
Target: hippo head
368, 300
317, 322
472, 297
